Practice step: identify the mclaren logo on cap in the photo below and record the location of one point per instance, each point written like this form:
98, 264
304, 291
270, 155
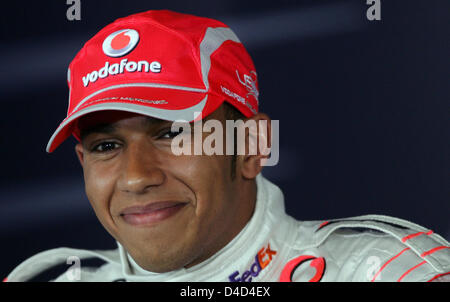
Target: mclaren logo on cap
120, 43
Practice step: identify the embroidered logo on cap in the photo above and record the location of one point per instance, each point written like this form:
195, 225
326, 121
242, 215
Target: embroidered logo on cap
250, 83
120, 43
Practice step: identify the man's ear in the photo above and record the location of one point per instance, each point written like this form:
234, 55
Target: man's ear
257, 146
79, 150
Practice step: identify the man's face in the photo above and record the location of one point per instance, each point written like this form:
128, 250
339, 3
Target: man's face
167, 211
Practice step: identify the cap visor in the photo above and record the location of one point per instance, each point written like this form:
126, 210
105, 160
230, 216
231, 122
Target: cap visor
161, 103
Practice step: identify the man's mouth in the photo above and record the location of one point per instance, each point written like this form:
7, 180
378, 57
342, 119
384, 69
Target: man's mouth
151, 213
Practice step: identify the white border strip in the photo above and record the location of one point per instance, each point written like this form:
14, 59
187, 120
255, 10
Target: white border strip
187, 114
150, 85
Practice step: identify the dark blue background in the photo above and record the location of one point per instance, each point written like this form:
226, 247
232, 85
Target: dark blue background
363, 109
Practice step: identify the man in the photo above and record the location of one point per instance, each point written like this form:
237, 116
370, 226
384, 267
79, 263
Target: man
202, 217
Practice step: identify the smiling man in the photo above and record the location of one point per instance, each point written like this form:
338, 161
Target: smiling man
168, 211
202, 217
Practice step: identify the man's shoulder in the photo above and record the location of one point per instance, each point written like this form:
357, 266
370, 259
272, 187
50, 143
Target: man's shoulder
68, 264
376, 248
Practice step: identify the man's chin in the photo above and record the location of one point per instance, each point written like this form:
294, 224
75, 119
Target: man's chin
161, 265
161, 256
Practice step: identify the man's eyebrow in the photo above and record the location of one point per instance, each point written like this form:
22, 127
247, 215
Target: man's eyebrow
100, 128
111, 128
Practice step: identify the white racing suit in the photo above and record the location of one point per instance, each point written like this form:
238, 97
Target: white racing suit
275, 247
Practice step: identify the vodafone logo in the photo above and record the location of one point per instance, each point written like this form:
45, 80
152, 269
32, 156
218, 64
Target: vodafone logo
120, 43
304, 274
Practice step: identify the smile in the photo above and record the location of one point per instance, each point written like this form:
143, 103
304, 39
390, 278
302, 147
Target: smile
151, 213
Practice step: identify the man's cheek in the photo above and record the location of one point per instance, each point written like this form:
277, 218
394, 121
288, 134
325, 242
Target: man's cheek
97, 191
99, 180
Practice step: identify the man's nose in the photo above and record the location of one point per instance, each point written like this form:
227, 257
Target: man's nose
141, 169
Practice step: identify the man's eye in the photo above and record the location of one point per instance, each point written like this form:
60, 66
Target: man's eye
170, 134
105, 147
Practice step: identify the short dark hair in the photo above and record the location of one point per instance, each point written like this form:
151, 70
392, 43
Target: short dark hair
231, 113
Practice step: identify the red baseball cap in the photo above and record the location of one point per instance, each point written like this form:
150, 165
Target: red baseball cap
162, 64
